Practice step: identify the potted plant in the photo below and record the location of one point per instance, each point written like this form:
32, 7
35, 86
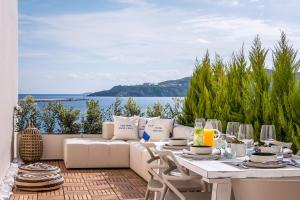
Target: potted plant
238, 147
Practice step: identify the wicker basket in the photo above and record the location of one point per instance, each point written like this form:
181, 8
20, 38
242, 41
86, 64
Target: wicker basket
31, 144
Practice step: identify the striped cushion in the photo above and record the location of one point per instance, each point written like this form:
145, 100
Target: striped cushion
39, 182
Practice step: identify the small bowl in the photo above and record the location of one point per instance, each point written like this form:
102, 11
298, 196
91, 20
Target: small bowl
178, 142
263, 157
205, 150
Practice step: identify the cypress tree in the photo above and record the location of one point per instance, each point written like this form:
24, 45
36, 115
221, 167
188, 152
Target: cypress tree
260, 85
236, 87
220, 107
198, 102
284, 94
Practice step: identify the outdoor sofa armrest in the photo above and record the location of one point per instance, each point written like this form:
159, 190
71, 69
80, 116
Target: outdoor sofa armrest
107, 130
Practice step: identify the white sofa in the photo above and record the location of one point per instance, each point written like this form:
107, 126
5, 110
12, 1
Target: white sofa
108, 153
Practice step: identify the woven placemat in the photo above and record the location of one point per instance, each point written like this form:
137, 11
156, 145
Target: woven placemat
173, 147
201, 157
268, 165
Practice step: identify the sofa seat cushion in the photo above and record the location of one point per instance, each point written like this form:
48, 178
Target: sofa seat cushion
92, 153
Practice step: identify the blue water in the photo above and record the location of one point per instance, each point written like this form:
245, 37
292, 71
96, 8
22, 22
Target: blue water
105, 102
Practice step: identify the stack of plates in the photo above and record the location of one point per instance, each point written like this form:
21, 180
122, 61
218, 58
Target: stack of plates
264, 160
189, 154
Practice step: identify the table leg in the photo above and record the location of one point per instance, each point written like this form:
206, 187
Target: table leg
221, 191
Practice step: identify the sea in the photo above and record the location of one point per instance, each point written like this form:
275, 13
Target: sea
79, 100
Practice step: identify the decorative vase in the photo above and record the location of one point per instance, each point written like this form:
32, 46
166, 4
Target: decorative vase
238, 149
31, 144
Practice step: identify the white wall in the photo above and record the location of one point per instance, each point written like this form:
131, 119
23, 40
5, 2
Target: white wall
8, 77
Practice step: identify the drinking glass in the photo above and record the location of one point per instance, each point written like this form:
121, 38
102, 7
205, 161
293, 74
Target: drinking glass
200, 121
217, 124
246, 134
267, 134
232, 128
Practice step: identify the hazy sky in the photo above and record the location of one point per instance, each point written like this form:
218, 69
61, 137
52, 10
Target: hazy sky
75, 46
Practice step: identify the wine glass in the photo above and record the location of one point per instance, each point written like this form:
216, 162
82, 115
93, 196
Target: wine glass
267, 134
232, 128
246, 134
200, 121
216, 124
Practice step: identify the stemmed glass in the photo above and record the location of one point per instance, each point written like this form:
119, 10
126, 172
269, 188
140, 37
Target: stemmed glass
267, 134
246, 134
232, 128
217, 124
200, 121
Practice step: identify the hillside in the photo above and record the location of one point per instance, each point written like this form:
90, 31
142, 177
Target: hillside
171, 88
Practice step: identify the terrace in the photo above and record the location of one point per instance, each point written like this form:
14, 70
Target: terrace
140, 158
91, 184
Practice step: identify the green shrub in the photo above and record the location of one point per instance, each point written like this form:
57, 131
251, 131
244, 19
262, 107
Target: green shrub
49, 117
114, 109
68, 119
92, 122
172, 111
131, 108
30, 113
157, 110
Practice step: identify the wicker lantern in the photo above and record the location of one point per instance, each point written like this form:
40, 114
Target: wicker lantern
31, 144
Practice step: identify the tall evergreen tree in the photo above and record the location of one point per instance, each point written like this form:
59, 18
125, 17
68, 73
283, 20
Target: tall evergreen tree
198, 102
284, 94
220, 107
260, 85
236, 87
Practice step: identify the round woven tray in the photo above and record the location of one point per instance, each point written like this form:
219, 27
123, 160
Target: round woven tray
39, 168
39, 182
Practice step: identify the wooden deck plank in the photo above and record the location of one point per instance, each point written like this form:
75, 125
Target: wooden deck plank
91, 184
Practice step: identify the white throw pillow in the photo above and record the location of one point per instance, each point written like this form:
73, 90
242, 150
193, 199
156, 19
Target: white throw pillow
126, 128
142, 124
158, 130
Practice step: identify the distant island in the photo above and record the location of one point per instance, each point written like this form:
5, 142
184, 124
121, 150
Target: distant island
171, 88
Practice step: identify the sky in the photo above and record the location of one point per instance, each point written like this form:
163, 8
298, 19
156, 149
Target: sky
77, 46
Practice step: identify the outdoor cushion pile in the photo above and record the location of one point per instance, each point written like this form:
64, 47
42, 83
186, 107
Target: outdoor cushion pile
38, 177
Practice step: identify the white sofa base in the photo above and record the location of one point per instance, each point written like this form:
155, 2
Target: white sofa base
107, 153
93, 153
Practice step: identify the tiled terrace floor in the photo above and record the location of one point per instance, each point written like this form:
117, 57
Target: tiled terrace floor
91, 184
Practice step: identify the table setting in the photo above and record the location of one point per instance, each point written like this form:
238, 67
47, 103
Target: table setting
235, 148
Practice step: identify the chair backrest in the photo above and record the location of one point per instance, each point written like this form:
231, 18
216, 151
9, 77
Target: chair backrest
169, 160
153, 164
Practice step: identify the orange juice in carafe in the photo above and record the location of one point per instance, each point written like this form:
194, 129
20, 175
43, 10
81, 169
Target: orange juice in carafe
209, 133
209, 137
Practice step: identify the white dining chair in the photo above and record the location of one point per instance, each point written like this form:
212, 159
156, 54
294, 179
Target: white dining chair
155, 183
181, 184
266, 189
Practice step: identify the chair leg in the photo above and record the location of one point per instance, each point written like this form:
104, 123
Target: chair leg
147, 194
163, 193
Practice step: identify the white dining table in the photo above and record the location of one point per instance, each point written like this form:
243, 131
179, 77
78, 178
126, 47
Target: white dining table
220, 173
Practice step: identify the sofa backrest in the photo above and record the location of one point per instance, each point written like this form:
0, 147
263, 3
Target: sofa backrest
179, 131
